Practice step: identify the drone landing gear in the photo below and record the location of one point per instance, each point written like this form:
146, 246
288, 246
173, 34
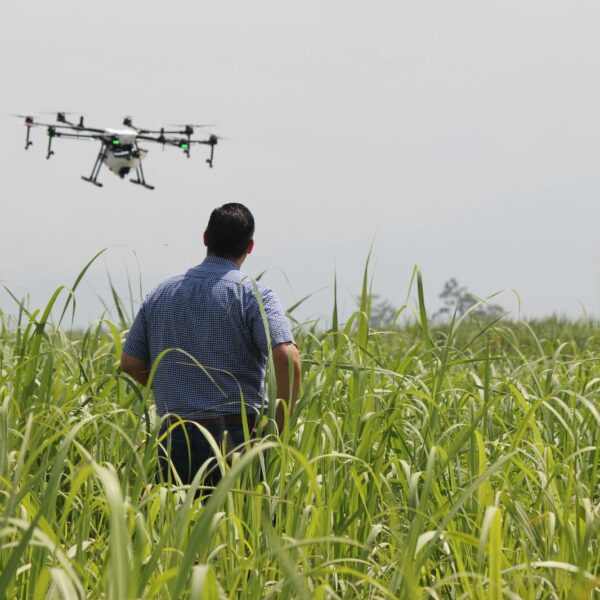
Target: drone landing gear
141, 180
93, 178
209, 160
93, 181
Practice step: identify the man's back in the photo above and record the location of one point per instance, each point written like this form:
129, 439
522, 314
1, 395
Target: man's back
205, 333
211, 319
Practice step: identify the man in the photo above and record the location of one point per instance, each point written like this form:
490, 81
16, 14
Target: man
207, 331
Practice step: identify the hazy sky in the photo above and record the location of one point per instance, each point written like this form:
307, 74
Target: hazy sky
461, 136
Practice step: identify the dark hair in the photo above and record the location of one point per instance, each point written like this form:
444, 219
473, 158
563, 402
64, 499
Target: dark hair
229, 230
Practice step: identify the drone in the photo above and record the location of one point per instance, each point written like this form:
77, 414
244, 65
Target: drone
119, 148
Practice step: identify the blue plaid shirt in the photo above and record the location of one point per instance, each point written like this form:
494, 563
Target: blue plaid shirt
210, 318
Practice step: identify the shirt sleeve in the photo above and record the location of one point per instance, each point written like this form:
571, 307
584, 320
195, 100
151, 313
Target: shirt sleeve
136, 344
277, 323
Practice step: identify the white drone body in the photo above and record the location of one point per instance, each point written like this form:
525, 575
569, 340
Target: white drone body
120, 161
119, 148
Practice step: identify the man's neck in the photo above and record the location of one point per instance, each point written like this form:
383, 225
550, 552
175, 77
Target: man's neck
238, 261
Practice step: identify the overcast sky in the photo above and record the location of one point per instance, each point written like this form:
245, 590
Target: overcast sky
461, 136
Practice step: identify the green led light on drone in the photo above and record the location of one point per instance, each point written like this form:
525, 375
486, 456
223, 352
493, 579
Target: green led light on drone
184, 146
116, 142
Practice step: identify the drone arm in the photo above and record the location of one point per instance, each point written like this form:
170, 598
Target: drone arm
77, 136
171, 141
68, 127
52, 133
183, 143
161, 131
157, 139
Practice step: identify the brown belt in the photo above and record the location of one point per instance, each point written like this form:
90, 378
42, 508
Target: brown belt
222, 420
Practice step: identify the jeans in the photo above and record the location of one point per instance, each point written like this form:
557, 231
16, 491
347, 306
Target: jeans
188, 449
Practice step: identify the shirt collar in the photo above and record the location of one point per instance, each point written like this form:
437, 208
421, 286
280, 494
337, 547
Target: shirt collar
219, 261
215, 264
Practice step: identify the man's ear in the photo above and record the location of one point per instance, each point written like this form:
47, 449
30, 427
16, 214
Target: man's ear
250, 247
205, 239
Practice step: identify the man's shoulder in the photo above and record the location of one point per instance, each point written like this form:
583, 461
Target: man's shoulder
258, 293
253, 286
248, 289
164, 286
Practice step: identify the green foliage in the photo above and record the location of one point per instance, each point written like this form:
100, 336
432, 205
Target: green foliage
458, 460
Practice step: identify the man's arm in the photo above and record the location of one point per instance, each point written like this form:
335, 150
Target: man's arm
136, 368
286, 390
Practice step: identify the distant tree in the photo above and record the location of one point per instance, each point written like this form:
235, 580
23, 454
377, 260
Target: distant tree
458, 298
381, 313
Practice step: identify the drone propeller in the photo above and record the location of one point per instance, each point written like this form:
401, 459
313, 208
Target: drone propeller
128, 122
60, 118
56, 112
60, 114
213, 138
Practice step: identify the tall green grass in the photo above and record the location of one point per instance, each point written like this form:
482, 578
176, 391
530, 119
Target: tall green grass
449, 461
